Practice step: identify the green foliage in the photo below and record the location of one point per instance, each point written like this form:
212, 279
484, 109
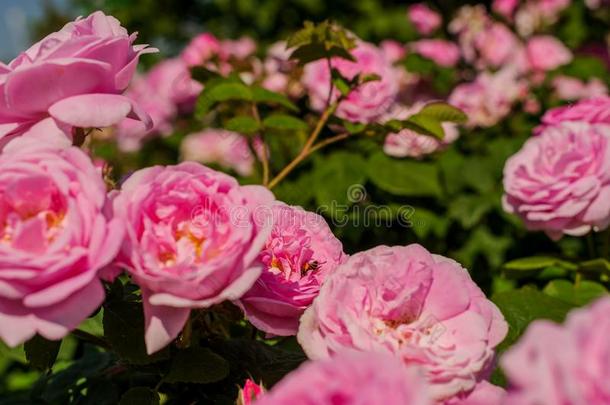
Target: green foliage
197, 365
404, 177
320, 41
41, 353
140, 396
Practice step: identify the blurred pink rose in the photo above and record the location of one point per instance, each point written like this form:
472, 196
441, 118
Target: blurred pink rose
443, 53
571, 88
351, 378
505, 8
166, 90
278, 69
484, 393
194, 235
228, 149
55, 236
422, 308
394, 51
298, 256
559, 182
408, 143
207, 50
496, 45
490, 97
546, 53
75, 75
370, 100
554, 364
594, 111
251, 392
425, 20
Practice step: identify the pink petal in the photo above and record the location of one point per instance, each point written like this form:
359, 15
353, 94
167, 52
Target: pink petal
163, 324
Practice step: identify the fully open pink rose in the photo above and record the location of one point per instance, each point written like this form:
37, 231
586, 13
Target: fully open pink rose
425, 20
351, 378
594, 111
422, 308
443, 53
559, 182
55, 236
298, 256
226, 148
193, 237
568, 365
165, 91
370, 100
408, 143
547, 53
75, 75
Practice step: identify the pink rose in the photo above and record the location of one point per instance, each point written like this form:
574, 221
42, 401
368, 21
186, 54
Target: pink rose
228, 149
545, 53
594, 111
351, 378
55, 236
201, 49
422, 308
489, 98
568, 365
394, 51
165, 91
75, 75
407, 143
483, 394
496, 45
443, 53
505, 8
193, 238
559, 182
278, 69
370, 100
571, 88
207, 50
425, 20
250, 393
300, 253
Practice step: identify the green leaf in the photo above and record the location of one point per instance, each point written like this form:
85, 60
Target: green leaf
596, 265
41, 353
315, 51
468, 209
536, 263
521, 307
262, 95
223, 90
202, 74
302, 36
243, 125
140, 396
576, 294
124, 330
285, 122
197, 365
338, 177
353, 127
403, 177
443, 112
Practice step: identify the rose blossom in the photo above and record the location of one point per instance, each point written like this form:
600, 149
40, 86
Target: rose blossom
562, 364
370, 100
422, 308
443, 53
571, 88
229, 149
559, 182
278, 69
594, 111
425, 20
394, 51
250, 393
75, 75
55, 236
297, 257
204, 48
193, 238
351, 378
496, 44
408, 143
505, 8
165, 91
484, 393
547, 53
489, 98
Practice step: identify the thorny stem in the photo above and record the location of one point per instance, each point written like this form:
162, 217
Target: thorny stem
307, 149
